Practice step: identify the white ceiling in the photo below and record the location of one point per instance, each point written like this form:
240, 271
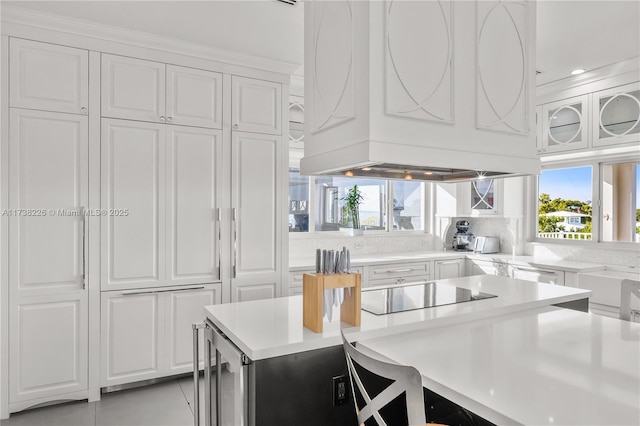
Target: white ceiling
585, 34
571, 33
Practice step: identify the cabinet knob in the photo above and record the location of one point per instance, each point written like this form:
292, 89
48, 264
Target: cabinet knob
162, 118
235, 126
169, 119
83, 110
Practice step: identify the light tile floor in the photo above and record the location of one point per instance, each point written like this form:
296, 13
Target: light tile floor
164, 404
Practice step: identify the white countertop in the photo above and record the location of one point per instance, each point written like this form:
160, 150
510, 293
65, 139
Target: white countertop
548, 366
273, 327
298, 264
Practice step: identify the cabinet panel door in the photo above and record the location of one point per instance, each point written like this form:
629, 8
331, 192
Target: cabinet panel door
448, 269
616, 115
48, 346
256, 106
185, 307
133, 183
48, 174
132, 337
133, 89
243, 293
48, 77
195, 164
256, 213
565, 125
194, 97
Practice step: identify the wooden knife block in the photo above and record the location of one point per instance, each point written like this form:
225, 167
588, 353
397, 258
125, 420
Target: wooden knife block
313, 286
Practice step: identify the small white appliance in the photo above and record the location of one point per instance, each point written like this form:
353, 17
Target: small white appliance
486, 245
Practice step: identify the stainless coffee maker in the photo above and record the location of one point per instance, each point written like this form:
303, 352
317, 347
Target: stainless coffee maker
462, 239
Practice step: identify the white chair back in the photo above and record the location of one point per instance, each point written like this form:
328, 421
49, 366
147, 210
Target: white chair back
405, 379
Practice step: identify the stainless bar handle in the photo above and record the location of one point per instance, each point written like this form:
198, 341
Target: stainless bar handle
449, 262
83, 220
136, 293
219, 388
207, 376
235, 240
196, 373
389, 271
219, 229
543, 271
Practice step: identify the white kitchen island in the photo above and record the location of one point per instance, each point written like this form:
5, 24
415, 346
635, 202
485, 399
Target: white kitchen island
283, 372
538, 367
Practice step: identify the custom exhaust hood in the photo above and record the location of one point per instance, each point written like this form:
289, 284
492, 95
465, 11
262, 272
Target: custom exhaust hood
426, 90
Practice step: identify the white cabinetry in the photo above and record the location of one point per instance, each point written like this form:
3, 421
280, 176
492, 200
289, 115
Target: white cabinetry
487, 267
530, 273
160, 186
48, 177
34, 85
565, 125
256, 192
256, 106
137, 89
147, 334
498, 197
398, 273
450, 268
616, 115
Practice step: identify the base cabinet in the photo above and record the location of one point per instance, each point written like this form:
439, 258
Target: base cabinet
147, 334
48, 348
448, 269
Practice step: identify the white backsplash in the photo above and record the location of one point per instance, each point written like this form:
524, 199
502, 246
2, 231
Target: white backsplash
301, 247
609, 257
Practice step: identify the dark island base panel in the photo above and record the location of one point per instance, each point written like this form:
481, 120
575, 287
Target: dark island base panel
297, 389
581, 305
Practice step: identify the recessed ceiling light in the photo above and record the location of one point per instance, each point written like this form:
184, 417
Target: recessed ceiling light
408, 176
348, 173
577, 71
428, 173
366, 169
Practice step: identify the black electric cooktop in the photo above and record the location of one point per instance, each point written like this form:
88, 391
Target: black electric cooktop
417, 296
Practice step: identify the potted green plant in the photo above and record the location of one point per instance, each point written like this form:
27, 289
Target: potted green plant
353, 199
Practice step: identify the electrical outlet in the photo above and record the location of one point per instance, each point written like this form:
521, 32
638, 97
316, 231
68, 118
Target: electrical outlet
340, 387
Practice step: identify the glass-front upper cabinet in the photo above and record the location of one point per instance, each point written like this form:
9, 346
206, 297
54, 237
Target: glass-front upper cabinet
616, 115
296, 122
564, 125
483, 196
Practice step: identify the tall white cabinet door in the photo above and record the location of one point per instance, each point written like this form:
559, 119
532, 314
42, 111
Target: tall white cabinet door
185, 307
48, 304
132, 337
256, 106
48, 77
133, 89
48, 346
194, 97
255, 223
48, 176
133, 172
193, 231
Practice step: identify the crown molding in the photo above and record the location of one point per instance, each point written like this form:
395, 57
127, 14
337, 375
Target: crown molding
21, 17
628, 68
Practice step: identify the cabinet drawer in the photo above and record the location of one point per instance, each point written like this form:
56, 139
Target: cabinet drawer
398, 281
397, 270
